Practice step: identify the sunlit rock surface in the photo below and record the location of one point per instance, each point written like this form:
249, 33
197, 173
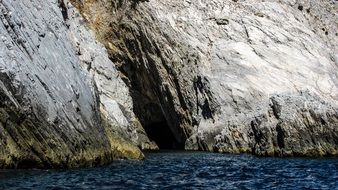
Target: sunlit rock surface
229, 76
52, 113
84, 82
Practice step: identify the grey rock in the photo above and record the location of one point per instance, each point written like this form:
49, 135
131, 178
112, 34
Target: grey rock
49, 109
304, 125
228, 76
116, 104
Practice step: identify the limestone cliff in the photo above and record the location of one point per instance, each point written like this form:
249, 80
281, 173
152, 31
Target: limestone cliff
52, 113
229, 76
83, 82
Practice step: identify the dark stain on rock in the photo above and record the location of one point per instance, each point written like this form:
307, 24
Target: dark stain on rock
280, 136
64, 10
300, 7
222, 21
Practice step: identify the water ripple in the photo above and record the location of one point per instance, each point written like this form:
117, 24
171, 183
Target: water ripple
185, 170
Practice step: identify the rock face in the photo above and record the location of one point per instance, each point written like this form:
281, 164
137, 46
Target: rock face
229, 76
115, 102
52, 111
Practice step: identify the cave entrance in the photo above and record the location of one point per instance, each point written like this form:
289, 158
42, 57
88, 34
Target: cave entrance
161, 133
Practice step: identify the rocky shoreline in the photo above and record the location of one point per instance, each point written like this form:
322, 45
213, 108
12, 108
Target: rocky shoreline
85, 82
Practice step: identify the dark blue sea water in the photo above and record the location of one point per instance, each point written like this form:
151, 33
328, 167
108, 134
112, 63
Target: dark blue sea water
185, 170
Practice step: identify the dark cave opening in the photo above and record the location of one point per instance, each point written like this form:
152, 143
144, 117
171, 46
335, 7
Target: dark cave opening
163, 136
153, 104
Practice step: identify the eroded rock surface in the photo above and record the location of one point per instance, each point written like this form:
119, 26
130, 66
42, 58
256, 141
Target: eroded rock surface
51, 110
216, 71
229, 76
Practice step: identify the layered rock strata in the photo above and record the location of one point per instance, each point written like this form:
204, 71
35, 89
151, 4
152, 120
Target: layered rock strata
52, 111
85, 82
214, 71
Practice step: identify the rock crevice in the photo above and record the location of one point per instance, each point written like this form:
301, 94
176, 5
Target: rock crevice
83, 82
